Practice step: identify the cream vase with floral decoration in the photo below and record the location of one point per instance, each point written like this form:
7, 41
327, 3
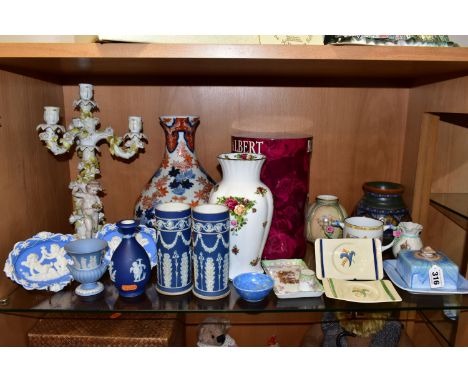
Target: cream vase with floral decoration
250, 205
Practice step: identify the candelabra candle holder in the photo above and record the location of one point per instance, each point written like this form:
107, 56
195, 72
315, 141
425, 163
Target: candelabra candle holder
87, 215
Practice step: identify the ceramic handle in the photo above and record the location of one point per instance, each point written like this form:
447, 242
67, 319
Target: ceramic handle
337, 224
389, 226
385, 247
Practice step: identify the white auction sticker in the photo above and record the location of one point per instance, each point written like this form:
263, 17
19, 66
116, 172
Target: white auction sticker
436, 277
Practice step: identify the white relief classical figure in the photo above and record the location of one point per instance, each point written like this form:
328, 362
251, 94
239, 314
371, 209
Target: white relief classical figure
83, 132
58, 254
175, 256
226, 269
90, 207
39, 271
36, 268
219, 260
195, 270
138, 270
167, 270
112, 271
209, 274
141, 240
184, 269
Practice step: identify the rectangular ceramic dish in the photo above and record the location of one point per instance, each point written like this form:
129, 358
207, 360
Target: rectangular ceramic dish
361, 291
349, 259
285, 274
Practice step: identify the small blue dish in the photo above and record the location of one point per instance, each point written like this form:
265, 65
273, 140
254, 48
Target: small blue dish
253, 287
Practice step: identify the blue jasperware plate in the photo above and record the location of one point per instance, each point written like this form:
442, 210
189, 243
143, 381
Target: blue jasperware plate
40, 262
392, 273
146, 237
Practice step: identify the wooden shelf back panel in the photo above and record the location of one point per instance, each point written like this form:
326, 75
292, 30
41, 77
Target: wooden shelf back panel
358, 133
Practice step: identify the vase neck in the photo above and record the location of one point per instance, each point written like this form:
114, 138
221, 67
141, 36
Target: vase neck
181, 149
241, 170
178, 130
326, 200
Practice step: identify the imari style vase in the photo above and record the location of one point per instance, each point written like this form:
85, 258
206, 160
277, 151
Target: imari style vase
250, 205
174, 229
130, 267
180, 177
210, 251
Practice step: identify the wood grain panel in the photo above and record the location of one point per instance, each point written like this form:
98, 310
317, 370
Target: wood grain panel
33, 183
449, 96
358, 133
241, 64
424, 169
450, 172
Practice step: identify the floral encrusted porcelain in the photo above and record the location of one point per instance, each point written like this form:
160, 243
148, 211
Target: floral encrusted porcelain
146, 237
40, 262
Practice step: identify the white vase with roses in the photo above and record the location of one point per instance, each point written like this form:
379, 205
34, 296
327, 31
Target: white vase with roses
250, 204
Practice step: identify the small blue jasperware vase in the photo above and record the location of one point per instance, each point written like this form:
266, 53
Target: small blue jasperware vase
129, 268
174, 226
210, 226
88, 267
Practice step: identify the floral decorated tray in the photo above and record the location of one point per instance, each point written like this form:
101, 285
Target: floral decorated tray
349, 259
40, 262
392, 273
361, 291
146, 237
285, 274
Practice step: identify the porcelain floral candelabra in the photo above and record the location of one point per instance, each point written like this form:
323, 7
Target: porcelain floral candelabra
87, 213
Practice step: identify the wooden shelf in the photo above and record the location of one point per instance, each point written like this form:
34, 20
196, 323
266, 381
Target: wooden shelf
454, 206
370, 66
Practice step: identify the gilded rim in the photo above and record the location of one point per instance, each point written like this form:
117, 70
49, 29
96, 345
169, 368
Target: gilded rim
364, 228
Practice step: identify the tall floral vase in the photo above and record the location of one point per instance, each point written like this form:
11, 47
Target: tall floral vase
130, 267
250, 205
180, 178
210, 251
174, 229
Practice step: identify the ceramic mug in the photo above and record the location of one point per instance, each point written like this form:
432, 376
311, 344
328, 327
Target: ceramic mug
174, 229
211, 226
360, 227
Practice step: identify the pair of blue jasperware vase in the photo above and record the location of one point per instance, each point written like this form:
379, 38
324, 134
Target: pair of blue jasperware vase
188, 242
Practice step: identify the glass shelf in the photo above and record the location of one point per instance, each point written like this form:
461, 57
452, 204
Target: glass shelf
455, 203
22, 300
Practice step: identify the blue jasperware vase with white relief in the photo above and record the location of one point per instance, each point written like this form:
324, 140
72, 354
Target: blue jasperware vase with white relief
129, 268
174, 270
88, 265
211, 251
